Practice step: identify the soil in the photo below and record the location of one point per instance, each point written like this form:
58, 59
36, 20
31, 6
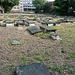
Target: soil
52, 52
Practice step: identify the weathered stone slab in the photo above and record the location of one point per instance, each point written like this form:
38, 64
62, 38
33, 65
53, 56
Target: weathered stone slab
20, 23
55, 36
1, 21
34, 30
3, 25
32, 69
30, 23
9, 24
15, 42
16, 20
47, 29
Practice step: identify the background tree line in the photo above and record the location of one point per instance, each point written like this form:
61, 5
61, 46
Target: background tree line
61, 7
8, 4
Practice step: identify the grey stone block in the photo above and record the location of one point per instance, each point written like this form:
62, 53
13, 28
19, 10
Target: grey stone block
34, 30
33, 69
15, 42
47, 29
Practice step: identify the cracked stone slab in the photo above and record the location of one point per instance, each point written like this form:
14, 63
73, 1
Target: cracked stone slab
32, 69
15, 42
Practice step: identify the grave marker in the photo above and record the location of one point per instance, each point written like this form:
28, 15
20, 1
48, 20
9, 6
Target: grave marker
32, 69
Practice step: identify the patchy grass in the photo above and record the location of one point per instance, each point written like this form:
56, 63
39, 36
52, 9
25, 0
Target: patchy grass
35, 50
39, 58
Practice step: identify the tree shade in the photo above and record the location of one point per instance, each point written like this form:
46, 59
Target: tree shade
62, 6
8, 4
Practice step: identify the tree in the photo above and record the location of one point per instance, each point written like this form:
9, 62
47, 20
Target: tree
62, 6
39, 4
8, 4
46, 7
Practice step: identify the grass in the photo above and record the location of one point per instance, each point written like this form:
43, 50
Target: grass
49, 66
38, 53
69, 56
57, 68
47, 53
71, 71
22, 58
39, 58
12, 65
23, 51
24, 63
43, 35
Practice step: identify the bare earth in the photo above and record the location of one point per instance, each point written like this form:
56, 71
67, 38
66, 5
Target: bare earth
50, 52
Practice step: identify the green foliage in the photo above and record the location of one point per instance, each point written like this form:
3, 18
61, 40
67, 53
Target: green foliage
43, 35
39, 4
24, 63
49, 66
38, 58
38, 53
57, 68
8, 4
47, 53
71, 71
22, 58
46, 7
69, 56
62, 6
12, 65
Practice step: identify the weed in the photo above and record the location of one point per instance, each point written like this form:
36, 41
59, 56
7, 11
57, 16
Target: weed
34, 61
49, 66
38, 53
18, 50
22, 58
49, 70
70, 56
9, 44
47, 58
24, 63
66, 60
47, 52
38, 58
57, 68
23, 51
43, 35
12, 65
71, 71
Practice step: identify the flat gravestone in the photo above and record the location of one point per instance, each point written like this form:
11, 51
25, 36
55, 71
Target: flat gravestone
34, 30
15, 42
31, 23
55, 36
9, 24
47, 29
33, 69
20, 23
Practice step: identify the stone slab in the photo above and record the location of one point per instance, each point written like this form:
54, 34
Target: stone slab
32, 69
55, 36
9, 25
15, 42
47, 29
34, 30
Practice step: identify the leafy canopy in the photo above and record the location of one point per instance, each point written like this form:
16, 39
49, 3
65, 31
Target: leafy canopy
8, 4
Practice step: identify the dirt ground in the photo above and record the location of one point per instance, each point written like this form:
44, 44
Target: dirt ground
57, 55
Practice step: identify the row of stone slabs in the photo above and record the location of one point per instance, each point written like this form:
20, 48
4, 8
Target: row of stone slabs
9, 23
45, 29
34, 30
49, 23
32, 69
